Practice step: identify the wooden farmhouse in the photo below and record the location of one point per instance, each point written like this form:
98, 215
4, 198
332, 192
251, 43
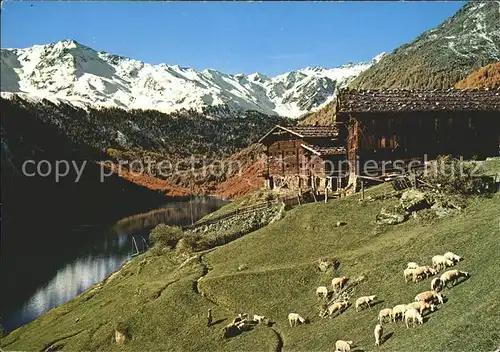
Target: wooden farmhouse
303, 157
404, 125
372, 130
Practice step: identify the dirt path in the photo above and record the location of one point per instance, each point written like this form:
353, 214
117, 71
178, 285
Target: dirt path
196, 288
279, 337
51, 345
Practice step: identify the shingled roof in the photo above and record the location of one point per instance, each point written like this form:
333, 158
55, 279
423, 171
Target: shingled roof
352, 101
307, 131
325, 150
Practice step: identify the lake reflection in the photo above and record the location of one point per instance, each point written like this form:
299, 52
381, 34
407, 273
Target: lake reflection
70, 281
100, 255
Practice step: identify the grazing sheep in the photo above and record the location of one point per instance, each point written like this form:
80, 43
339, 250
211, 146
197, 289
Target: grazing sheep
441, 262
408, 273
343, 346
452, 276
241, 324
423, 271
258, 318
322, 292
412, 265
121, 333
452, 256
413, 315
431, 271
420, 306
233, 329
365, 300
120, 337
336, 307
429, 296
386, 312
294, 319
338, 283
437, 284
236, 320
397, 311
378, 332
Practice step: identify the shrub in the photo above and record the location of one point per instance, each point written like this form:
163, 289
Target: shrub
454, 176
165, 235
187, 244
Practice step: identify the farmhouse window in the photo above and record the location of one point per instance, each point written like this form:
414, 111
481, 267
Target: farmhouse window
382, 142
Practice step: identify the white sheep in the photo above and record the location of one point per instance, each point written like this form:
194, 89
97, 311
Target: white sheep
437, 284
364, 300
397, 311
452, 276
412, 265
423, 271
408, 273
414, 316
343, 346
378, 332
241, 324
337, 307
452, 256
429, 296
294, 319
322, 292
258, 318
441, 262
338, 283
386, 312
420, 306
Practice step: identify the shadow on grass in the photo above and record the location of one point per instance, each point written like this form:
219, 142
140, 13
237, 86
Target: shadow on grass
218, 321
386, 337
463, 279
233, 331
376, 303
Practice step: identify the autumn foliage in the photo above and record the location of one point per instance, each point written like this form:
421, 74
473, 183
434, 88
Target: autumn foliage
485, 77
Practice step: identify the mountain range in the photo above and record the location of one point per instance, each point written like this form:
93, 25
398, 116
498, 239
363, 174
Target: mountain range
68, 70
437, 59
442, 56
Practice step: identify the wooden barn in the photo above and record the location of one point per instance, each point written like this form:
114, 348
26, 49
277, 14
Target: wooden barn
304, 157
385, 126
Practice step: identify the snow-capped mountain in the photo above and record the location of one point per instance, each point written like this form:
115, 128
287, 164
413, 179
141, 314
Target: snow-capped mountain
70, 71
442, 56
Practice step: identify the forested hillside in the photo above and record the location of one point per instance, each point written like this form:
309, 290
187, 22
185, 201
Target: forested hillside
442, 56
137, 132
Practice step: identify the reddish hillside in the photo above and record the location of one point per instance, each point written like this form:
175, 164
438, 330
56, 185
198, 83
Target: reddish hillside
485, 77
153, 183
242, 175
249, 178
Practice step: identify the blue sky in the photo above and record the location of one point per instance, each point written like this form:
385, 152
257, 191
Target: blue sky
268, 37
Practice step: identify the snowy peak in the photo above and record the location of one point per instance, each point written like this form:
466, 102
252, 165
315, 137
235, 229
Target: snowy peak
71, 71
442, 56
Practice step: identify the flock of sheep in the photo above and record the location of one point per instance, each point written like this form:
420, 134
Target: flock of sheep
409, 313
242, 323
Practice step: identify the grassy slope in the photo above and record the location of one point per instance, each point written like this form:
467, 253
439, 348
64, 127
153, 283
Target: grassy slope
281, 278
